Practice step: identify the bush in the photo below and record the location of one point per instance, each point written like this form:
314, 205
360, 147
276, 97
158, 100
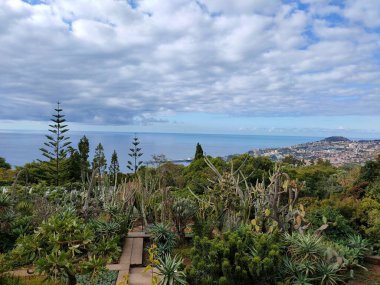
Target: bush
60, 248
239, 257
338, 226
367, 216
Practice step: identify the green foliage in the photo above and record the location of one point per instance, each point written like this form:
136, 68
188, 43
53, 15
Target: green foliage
4, 164
198, 152
338, 226
99, 160
102, 278
310, 261
56, 147
373, 190
74, 166
135, 154
197, 174
10, 280
317, 180
239, 257
60, 247
12, 223
183, 211
253, 168
164, 238
84, 149
170, 174
169, 270
367, 216
370, 171
114, 167
7, 176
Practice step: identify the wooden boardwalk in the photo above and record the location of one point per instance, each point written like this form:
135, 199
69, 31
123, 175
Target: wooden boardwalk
132, 255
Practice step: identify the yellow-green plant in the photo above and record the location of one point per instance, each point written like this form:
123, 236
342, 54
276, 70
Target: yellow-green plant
153, 262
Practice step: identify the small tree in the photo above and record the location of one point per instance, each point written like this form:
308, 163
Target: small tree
84, 149
4, 164
57, 145
100, 160
198, 152
135, 153
183, 211
61, 248
114, 167
74, 165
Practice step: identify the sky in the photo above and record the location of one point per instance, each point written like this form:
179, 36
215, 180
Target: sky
305, 67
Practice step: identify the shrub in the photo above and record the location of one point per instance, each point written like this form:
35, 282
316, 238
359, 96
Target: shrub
60, 248
239, 257
338, 226
183, 211
367, 216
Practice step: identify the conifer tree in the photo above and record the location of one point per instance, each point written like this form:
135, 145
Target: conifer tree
114, 167
74, 165
99, 160
57, 145
84, 149
135, 153
198, 152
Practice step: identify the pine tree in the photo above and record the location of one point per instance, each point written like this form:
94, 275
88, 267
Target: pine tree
84, 149
99, 160
135, 153
198, 152
114, 167
74, 165
57, 145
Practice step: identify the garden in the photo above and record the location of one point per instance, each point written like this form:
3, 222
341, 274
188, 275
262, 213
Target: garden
245, 220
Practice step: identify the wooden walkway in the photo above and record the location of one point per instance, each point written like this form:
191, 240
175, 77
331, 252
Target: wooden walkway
132, 256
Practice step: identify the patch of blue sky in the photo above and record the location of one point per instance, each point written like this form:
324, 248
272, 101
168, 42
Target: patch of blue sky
69, 23
34, 2
133, 3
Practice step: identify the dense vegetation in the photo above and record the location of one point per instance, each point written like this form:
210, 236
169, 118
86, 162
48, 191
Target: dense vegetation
246, 220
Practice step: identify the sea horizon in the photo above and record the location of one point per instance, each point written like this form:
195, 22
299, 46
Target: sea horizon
22, 146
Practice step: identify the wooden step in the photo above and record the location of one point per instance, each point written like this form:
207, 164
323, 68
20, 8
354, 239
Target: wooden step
137, 251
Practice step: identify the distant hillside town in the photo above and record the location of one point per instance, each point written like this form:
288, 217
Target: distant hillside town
338, 150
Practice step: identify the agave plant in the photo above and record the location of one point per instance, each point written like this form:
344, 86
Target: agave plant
329, 273
304, 247
302, 279
361, 245
163, 237
169, 271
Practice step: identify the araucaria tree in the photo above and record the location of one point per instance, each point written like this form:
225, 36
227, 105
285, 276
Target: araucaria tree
135, 153
99, 160
84, 149
57, 145
114, 167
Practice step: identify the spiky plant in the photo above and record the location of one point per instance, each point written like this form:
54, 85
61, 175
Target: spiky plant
328, 274
360, 244
302, 279
164, 238
304, 247
169, 269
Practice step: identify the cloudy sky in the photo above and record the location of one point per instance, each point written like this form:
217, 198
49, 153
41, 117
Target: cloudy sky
306, 67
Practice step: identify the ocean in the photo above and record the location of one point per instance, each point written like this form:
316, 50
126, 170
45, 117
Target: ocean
19, 148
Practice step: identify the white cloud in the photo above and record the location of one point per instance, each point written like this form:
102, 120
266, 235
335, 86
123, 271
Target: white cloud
111, 63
